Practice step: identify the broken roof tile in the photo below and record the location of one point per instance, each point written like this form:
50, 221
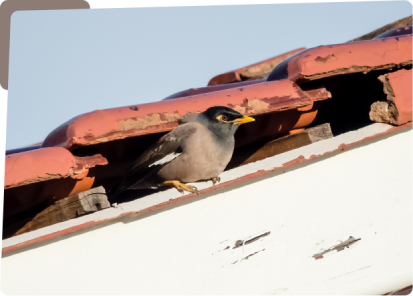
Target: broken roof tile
46, 164
357, 57
42, 176
398, 108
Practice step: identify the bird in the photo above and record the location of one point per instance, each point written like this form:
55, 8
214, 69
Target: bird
198, 149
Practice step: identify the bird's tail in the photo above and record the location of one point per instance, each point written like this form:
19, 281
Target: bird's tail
115, 191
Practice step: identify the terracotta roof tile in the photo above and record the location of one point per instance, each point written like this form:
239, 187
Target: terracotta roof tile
356, 57
118, 123
46, 164
398, 107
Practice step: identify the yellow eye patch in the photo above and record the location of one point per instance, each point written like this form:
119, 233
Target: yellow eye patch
245, 119
221, 119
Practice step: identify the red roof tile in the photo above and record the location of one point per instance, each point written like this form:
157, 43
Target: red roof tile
118, 123
356, 57
401, 85
46, 164
398, 108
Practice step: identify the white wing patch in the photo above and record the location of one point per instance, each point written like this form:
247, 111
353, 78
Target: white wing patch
166, 159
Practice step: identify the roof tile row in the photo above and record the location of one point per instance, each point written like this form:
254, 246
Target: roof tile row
256, 97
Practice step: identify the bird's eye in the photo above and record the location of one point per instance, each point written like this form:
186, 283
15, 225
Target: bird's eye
224, 117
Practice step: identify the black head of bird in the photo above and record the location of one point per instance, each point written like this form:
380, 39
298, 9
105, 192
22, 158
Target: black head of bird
223, 120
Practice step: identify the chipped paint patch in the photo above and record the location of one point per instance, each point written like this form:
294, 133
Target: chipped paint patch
80, 173
349, 70
257, 106
240, 243
240, 109
246, 257
318, 94
326, 59
339, 247
384, 112
149, 120
171, 117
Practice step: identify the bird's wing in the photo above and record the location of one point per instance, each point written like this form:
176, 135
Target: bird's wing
155, 157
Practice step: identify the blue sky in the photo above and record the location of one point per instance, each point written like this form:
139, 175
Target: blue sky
67, 62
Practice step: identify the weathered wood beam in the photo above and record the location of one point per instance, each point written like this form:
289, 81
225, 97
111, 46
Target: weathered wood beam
77, 205
255, 152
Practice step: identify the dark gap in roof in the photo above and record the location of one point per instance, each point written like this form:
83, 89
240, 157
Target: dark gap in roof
352, 96
13, 223
134, 194
120, 155
119, 149
406, 67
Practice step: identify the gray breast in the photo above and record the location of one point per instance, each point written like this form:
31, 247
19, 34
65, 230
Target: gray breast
204, 157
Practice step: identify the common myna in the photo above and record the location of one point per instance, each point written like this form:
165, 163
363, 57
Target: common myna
198, 149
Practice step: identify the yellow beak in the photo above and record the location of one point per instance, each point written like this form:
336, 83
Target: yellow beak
245, 119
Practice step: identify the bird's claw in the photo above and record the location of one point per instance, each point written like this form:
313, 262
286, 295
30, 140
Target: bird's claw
215, 180
180, 186
192, 189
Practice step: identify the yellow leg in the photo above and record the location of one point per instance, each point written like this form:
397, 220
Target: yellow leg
215, 180
180, 186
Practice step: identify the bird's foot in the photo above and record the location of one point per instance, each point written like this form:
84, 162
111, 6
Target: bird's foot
180, 186
215, 180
